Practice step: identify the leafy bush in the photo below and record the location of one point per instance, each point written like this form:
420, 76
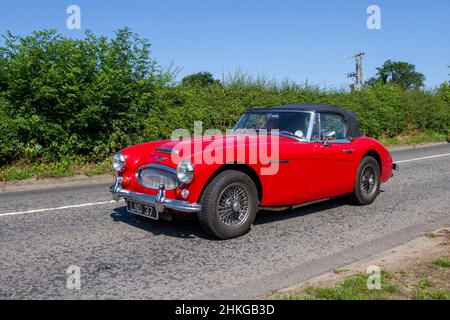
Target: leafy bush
62, 97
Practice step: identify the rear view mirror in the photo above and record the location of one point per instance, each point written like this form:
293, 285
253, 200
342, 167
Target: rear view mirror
327, 136
299, 133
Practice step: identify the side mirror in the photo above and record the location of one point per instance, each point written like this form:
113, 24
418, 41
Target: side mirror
299, 134
327, 136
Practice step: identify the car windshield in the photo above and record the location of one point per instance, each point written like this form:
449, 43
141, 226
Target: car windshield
292, 123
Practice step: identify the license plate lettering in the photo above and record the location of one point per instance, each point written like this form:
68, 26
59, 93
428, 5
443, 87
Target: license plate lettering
142, 210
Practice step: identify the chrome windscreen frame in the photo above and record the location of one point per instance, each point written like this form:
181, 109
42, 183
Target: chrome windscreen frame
310, 126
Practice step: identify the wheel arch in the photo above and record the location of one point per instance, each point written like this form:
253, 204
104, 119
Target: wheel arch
238, 167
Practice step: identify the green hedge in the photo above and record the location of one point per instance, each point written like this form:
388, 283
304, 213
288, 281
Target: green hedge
383, 110
83, 99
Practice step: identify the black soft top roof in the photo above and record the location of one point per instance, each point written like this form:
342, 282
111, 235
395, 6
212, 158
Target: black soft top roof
349, 117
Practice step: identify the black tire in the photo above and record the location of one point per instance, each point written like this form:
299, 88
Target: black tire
228, 191
366, 190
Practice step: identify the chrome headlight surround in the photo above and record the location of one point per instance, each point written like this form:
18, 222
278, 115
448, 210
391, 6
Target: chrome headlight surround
118, 162
185, 171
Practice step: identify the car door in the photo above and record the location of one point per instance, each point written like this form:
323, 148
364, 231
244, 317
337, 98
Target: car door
332, 156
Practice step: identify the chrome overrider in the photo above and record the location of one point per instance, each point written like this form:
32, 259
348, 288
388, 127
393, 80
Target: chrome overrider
160, 202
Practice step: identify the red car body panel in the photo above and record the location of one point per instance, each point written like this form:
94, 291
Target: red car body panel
308, 171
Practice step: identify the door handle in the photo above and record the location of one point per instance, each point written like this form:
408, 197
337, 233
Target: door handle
348, 150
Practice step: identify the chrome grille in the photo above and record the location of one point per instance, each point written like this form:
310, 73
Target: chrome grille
154, 177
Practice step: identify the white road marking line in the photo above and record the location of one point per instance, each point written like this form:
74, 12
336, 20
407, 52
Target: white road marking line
424, 158
58, 208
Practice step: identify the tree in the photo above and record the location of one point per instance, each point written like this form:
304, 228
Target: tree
399, 73
200, 79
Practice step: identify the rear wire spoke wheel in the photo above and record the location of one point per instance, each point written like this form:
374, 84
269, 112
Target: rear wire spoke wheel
229, 205
367, 184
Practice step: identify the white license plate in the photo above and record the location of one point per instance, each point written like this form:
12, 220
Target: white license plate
142, 210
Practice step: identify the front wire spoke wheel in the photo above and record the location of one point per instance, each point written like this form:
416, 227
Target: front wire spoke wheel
229, 205
233, 205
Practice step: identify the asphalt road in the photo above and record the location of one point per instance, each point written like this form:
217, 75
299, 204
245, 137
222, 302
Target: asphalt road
123, 256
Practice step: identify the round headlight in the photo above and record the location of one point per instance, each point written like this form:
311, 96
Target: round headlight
118, 162
185, 171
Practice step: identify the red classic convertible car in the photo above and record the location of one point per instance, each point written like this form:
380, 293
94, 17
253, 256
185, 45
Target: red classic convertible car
316, 153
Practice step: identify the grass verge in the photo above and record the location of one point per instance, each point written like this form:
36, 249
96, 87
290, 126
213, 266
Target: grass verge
398, 285
418, 270
444, 263
53, 170
418, 138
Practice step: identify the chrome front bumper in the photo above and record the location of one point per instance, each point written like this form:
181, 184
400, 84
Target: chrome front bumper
160, 202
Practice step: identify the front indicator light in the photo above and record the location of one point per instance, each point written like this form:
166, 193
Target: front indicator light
185, 193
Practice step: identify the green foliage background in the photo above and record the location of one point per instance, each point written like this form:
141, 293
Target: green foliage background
64, 99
